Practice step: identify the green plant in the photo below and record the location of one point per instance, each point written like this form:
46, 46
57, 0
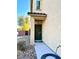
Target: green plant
21, 45
20, 20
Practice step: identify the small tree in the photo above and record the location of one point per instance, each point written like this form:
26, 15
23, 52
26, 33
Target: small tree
20, 21
26, 25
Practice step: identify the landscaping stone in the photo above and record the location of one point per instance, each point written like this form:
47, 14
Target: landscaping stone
29, 53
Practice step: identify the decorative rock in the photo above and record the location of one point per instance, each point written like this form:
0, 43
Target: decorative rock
28, 54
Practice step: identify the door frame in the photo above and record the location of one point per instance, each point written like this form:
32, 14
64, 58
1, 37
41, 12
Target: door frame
35, 33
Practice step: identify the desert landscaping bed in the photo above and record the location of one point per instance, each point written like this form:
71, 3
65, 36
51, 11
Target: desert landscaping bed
24, 49
29, 53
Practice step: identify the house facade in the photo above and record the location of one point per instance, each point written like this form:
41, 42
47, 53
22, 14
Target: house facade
46, 23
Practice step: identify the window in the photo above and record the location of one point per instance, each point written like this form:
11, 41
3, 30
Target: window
37, 4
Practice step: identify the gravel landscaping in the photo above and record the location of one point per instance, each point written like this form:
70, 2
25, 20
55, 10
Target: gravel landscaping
28, 53
24, 49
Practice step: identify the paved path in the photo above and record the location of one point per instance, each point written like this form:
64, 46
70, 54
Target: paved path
42, 49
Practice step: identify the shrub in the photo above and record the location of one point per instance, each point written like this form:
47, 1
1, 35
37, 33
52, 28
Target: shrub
21, 45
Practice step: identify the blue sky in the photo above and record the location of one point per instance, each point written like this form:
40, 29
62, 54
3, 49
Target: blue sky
23, 6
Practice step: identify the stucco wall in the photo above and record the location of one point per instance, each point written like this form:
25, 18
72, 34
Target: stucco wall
32, 31
52, 25
51, 29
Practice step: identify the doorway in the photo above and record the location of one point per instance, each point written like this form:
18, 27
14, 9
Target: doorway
38, 32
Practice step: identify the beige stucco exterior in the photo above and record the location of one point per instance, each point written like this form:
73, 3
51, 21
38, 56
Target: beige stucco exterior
32, 31
51, 27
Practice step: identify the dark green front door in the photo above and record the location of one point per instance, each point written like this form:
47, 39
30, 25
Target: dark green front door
38, 33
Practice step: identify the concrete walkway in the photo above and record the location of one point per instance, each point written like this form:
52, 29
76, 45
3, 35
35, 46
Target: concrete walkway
42, 49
